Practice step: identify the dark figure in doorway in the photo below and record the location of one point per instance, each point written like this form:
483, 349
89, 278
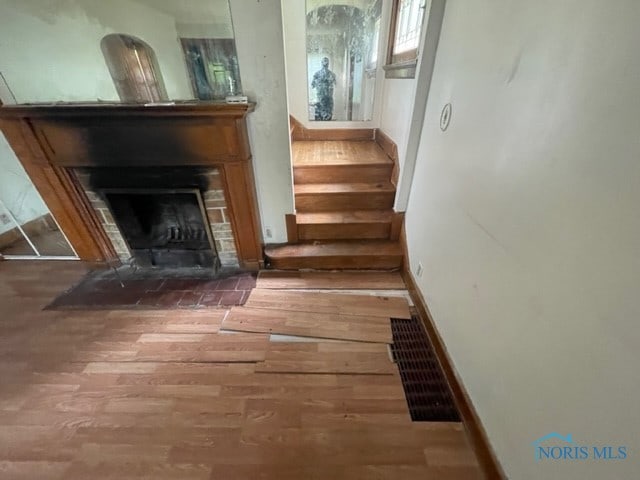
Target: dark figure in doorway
324, 81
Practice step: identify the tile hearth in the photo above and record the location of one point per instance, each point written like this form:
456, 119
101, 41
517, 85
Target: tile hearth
150, 289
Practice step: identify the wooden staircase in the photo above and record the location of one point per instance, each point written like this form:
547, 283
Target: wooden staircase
344, 208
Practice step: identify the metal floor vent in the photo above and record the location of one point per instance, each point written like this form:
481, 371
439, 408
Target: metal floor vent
425, 388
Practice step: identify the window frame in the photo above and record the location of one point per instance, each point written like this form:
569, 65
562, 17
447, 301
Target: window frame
401, 65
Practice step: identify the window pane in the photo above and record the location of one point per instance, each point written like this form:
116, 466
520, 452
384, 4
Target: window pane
408, 26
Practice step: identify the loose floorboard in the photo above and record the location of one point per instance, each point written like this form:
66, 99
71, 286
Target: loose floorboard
330, 280
334, 303
79, 400
304, 324
343, 358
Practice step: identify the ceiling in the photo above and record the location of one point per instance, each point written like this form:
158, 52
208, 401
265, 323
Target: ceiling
193, 11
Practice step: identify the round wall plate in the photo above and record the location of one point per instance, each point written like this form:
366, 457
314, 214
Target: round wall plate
445, 117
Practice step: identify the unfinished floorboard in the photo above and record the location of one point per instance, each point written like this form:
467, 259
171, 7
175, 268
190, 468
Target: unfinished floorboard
304, 358
318, 325
334, 303
99, 395
330, 280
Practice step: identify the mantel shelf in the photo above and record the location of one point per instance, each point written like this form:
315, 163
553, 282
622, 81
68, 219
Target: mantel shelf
208, 109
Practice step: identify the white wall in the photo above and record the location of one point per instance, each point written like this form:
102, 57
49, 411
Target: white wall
259, 43
397, 105
50, 51
16, 190
525, 217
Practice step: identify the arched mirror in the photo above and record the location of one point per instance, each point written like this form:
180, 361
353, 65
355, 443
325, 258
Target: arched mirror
342, 58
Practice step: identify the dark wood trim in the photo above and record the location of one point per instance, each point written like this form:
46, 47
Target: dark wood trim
476, 432
389, 147
182, 109
300, 132
402, 65
242, 206
392, 31
67, 204
51, 140
292, 228
397, 223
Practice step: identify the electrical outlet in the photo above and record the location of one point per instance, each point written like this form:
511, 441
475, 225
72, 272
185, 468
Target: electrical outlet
268, 232
419, 270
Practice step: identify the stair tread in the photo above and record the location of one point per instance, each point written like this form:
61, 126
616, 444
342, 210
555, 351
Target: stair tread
336, 248
315, 188
354, 216
337, 152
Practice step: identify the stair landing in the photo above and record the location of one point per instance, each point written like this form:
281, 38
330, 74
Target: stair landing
337, 152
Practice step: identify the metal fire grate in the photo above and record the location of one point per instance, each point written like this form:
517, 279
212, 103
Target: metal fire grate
425, 388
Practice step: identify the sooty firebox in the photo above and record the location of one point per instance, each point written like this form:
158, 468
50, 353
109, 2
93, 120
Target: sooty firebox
163, 227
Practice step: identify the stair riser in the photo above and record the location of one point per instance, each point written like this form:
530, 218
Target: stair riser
344, 231
339, 262
322, 202
342, 173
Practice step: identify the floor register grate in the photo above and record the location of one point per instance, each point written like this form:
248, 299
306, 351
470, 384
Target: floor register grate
426, 390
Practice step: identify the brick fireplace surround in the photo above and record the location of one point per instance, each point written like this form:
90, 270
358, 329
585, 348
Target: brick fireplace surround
59, 144
214, 201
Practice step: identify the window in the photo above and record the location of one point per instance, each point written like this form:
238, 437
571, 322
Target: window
134, 69
404, 38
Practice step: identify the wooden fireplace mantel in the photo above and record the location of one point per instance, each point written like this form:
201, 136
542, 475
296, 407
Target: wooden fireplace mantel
51, 140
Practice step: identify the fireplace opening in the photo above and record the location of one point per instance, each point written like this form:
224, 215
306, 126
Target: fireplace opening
164, 227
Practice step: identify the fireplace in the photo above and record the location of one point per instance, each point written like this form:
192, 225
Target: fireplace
163, 216
163, 227
78, 155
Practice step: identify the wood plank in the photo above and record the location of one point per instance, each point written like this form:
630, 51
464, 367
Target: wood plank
300, 133
343, 188
347, 361
319, 197
368, 173
352, 216
339, 254
390, 148
320, 153
333, 303
340, 327
292, 227
330, 280
65, 417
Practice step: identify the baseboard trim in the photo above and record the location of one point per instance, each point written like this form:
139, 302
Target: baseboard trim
389, 147
477, 434
299, 132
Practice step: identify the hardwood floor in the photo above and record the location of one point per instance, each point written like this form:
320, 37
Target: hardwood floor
337, 152
357, 280
164, 394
